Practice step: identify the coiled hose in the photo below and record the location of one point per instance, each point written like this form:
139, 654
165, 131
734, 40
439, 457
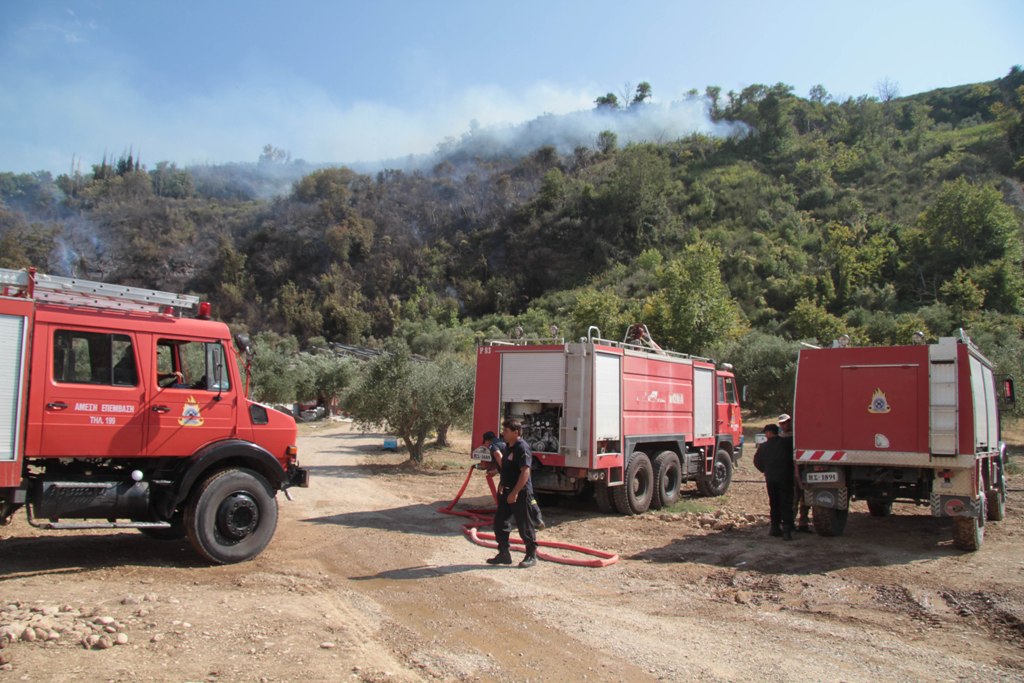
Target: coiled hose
485, 518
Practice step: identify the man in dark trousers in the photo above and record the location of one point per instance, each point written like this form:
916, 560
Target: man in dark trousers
775, 460
803, 522
499, 450
514, 494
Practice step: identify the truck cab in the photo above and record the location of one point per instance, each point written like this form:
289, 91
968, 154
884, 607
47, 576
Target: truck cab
122, 413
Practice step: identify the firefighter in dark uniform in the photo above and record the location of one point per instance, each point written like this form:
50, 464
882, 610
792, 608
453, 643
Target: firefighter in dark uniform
499, 451
775, 460
514, 494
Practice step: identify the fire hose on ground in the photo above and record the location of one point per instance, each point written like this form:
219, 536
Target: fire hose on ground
479, 518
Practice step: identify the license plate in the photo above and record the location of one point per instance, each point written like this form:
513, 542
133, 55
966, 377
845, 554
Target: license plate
482, 454
821, 477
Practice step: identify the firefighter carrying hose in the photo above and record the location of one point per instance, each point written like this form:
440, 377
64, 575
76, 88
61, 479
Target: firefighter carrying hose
514, 494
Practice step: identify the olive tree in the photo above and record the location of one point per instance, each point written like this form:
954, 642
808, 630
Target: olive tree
409, 397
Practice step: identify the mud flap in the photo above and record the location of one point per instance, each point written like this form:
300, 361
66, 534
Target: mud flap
836, 499
954, 506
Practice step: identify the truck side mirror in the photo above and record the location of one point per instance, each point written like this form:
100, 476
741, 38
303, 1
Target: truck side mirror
1006, 395
243, 344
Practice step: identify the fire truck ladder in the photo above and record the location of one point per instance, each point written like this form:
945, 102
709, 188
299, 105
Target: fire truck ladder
76, 292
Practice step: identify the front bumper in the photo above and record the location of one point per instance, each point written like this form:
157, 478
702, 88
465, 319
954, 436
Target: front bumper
297, 476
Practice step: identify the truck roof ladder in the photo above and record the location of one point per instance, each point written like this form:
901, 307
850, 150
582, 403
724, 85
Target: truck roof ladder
77, 292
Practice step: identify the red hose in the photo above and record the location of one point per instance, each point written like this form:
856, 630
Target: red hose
480, 518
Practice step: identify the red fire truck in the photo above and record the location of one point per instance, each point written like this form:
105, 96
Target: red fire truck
915, 424
631, 420
116, 411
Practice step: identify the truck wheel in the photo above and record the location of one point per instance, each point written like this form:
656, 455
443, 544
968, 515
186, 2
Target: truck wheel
879, 507
232, 516
603, 497
667, 479
634, 496
969, 532
718, 483
997, 499
829, 521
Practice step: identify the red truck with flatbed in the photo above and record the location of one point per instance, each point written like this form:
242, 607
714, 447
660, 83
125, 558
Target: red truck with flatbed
628, 420
916, 423
117, 412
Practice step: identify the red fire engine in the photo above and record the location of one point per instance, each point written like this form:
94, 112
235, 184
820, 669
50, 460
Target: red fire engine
631, 420
117, 411
915, 424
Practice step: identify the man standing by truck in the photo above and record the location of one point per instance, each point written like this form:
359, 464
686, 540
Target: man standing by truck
514, 495
776, 462
803, 522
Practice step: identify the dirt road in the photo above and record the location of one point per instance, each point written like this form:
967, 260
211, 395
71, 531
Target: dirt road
366, 581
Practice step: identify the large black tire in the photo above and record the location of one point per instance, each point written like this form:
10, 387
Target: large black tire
879, 507
829, 521
232, 516
667, 480
996, 502
174, 532
969, 532
603, 497
634, 496
721, 476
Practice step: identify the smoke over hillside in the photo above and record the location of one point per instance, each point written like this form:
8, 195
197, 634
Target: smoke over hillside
565, 132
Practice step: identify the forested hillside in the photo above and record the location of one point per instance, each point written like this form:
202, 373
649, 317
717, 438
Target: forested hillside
873, 216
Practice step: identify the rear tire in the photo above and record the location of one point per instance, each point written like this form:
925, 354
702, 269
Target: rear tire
997, 499
829, 521
969, 532
721, 476
634, 496
232, 516
667, 480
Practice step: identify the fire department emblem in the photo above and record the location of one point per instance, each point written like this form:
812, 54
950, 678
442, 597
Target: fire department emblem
879, 403
190, 416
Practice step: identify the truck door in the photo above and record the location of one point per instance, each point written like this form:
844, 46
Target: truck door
92, 396
15, 322
728, 418
193, 401
703, 402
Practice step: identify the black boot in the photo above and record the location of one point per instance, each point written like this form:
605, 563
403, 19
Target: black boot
787, 535
528, 561
776, 530
503, 557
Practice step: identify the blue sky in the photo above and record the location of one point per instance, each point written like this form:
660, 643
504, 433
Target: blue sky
337, 81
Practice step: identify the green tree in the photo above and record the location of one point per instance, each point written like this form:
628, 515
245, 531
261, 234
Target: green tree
692, 309
407, 397
810, 321
970, 227
325, 377
276, 370
455, 378
602, 308
766, 365
643, 93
